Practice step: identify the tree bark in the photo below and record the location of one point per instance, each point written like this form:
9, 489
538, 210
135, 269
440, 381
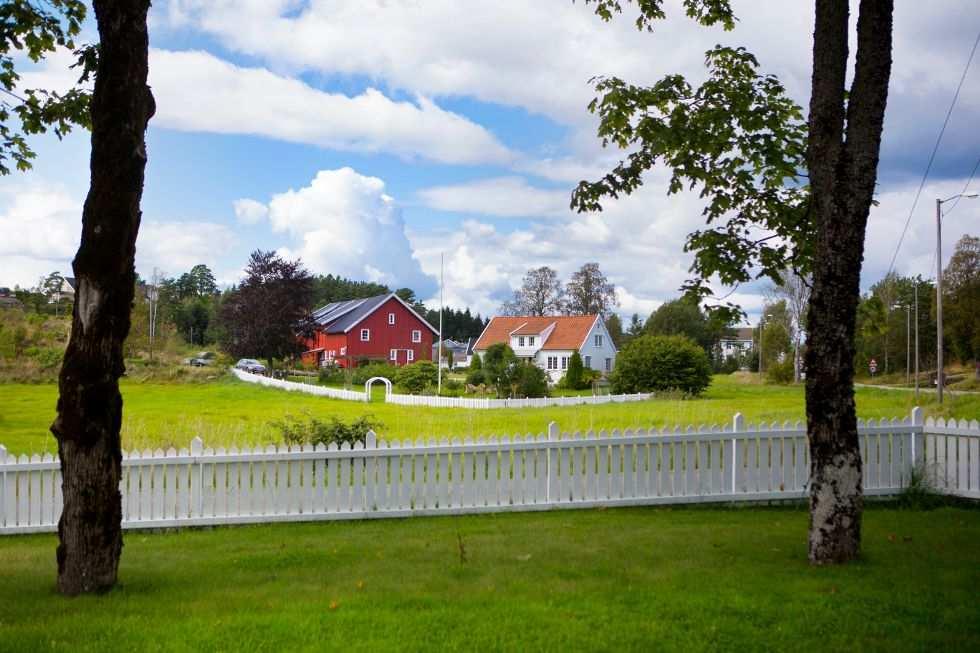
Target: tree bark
89, 403
843, 166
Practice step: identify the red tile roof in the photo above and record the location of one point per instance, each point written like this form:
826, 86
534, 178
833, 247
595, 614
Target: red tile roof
569, 333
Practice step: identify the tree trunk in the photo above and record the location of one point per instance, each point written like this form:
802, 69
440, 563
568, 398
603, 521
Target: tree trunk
843, 169
89, 403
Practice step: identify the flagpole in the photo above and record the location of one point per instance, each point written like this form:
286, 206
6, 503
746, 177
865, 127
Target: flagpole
442, 277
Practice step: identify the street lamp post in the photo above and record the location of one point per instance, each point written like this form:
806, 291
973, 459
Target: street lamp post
939, 290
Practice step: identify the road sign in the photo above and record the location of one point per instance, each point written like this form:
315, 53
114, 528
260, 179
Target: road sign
873, 366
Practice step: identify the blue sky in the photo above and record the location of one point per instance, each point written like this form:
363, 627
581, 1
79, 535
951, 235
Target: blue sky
370, 137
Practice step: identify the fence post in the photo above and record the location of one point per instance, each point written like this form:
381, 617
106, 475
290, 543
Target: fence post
197, 448
917, 422
738, 425
551, 469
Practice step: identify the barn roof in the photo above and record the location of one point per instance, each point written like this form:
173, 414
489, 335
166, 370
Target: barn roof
340, 317
569, 332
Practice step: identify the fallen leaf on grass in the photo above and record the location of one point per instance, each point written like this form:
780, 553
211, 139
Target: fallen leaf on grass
525, 557
334, 605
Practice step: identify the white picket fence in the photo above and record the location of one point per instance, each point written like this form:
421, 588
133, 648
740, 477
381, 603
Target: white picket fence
527, 402
293, 386
522, 472
438, 402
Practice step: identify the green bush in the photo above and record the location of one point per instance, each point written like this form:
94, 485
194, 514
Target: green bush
528, 380
781, 373
360, 375
417, 377
498, 366
649, 363
295, 430
574, 378
453, 388
475, 363
476, 376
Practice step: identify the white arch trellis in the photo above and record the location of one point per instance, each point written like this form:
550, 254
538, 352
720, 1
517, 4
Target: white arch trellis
370, 382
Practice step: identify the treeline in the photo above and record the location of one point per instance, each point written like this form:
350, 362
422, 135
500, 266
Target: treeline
261, 315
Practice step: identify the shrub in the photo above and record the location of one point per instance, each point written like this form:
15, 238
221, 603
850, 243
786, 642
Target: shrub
781, 373
529, 380
574, 376
661, 363
475, 363
453, 388
360, 375
295, 430
417, 377
498, 365
476, 377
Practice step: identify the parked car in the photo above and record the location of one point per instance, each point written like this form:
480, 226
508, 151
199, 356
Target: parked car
250, 365
202, 359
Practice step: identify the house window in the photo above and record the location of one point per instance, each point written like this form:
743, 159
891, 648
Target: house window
564, 362
393, 355
588, 361
598, 340
608, 364
391, 318
343, 351
365, 335
520, 341
530, 341
411, 355
416, 336
552, 362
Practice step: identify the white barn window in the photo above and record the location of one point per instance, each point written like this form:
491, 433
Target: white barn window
411, 355
365, 335
391, 318
416, 336
393, 355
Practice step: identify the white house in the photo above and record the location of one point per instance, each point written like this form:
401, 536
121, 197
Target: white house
740, 342
549, 341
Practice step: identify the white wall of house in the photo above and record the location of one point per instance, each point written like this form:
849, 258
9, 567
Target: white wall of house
553, 362
598, 351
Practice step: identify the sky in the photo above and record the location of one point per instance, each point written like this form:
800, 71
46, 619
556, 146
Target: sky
372, 137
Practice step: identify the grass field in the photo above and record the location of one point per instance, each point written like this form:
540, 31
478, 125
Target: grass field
627, 579
226, 411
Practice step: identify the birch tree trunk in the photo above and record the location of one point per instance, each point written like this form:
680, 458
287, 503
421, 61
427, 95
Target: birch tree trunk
845, 139
89, 403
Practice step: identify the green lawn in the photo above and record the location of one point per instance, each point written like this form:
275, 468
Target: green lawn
227, 411
628, 579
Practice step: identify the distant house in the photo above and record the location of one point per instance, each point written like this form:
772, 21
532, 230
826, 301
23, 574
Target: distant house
739, 343
550, 340
381, 328
65, 292
8, 299
462, 352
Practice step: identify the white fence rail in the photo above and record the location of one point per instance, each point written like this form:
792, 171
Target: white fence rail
528, 402
523, 472
439, 402
293, 386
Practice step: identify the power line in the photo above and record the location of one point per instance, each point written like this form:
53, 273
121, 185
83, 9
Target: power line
965, 188
932, 156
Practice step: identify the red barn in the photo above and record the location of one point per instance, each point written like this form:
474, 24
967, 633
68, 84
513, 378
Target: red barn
382, 328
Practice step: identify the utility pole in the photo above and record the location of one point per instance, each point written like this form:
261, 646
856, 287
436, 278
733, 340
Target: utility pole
939, 300
152, 294
442, 280
908, 344
939, 288
762, 324
916, 291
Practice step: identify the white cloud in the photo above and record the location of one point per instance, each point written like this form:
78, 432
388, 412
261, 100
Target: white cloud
41, 227
196, 91
175, 247
344, 223
507, 197
248, 211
